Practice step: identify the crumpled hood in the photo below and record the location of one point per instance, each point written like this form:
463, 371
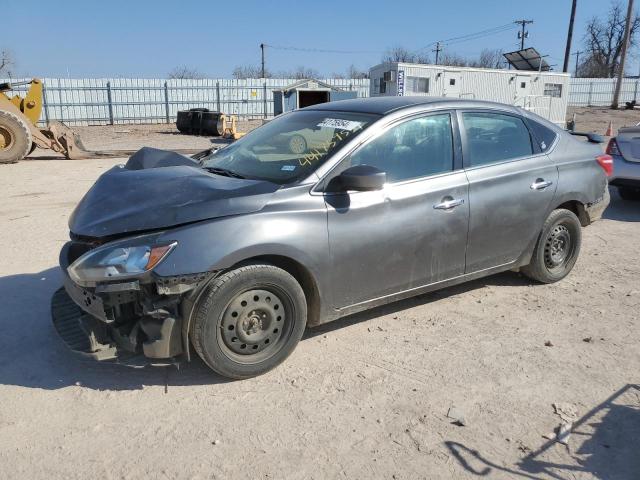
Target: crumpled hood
158, 189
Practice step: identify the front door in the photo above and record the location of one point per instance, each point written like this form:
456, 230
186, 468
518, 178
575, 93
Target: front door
510, 188
411, 233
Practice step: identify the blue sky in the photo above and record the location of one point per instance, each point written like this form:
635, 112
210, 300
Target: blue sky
144, 38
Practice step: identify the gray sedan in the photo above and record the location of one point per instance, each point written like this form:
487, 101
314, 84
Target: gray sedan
233, 253
625, 150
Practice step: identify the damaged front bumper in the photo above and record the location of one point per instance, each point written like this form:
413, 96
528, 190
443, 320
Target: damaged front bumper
135, 322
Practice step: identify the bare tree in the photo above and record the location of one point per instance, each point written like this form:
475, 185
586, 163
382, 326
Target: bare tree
603, 42
354, 72
300, 73
6, 62
452, 60
401, 54
489, 58
184, 72
250, 71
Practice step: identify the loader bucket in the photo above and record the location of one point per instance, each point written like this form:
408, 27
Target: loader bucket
72, 146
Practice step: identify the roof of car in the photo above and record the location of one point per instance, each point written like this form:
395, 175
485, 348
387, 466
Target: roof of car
386, 105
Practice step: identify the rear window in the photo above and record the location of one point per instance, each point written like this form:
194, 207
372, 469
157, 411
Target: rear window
543, 135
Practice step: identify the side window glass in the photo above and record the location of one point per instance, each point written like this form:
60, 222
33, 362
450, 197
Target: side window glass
543, 135
493, 137
416, 148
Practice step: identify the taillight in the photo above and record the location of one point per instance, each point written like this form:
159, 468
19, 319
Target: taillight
606, 162
612, 147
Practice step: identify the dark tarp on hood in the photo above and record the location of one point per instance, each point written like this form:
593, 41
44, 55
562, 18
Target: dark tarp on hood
158, 189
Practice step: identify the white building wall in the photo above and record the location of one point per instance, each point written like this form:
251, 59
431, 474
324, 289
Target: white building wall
502, 86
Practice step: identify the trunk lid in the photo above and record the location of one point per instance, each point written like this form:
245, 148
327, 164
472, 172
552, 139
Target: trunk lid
628, 140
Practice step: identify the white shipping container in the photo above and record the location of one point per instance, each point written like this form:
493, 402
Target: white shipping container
544, 93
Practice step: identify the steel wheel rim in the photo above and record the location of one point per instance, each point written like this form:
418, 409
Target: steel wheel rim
6, 138
255, 325
559, 248
297, 144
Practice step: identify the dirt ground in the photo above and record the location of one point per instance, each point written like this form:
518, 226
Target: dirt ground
361, 398
597, 120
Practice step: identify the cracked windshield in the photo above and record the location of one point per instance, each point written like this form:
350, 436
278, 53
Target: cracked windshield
288, 148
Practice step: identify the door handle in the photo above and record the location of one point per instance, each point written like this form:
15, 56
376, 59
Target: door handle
540, 184
449, 204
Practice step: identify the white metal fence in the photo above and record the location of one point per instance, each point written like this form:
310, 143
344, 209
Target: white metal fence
598, 92
91, 101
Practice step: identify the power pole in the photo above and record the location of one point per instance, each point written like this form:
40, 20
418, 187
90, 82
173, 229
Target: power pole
523, 34
262, 55
567, 50
577, 54
438, 49
623, 55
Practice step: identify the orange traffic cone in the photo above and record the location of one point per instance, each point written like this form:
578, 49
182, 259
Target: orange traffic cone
609, 132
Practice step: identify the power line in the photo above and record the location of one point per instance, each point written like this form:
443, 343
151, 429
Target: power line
319, 50
472, 36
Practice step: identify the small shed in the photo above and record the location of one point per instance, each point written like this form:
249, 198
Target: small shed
306, 93
545, 93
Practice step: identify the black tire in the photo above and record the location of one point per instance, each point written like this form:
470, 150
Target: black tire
629, 193
249, 320
33, 147
557, 248
15, 138
297, 144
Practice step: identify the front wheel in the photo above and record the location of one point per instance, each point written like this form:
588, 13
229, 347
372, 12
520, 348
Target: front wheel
557, 248
249, 320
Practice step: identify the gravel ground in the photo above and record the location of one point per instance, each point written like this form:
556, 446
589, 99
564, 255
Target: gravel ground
362, 397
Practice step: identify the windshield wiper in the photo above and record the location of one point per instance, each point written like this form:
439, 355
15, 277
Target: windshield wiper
223, 171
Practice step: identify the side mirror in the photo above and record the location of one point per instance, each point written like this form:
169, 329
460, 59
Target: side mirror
361, 178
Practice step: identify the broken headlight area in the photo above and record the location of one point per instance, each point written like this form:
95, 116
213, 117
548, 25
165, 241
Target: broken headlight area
113, 307
119, 260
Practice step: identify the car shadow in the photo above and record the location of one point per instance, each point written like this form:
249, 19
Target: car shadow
501, 279
621, 210
32, 355
603, 443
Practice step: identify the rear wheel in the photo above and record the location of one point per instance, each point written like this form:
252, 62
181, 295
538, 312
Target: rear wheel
557, 249
15, 138
629, 193
249, 320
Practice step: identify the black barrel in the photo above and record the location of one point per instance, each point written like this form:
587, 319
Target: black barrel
198, 121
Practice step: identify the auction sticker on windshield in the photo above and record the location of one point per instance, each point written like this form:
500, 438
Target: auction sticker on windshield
340, 123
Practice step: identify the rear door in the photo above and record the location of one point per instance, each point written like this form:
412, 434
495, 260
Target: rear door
414, 231
511, 186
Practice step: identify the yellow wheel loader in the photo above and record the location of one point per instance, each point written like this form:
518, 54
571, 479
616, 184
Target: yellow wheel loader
19, 131
20, 134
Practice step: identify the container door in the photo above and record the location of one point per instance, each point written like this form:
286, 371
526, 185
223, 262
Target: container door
278, 103
452, 81
523, 91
